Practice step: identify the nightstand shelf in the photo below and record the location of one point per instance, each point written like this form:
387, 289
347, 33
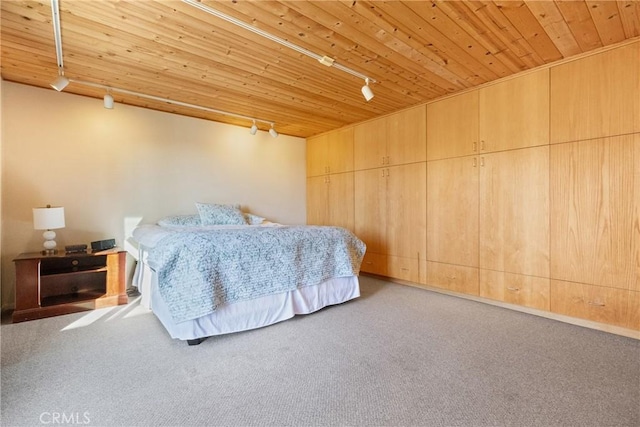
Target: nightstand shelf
50, 285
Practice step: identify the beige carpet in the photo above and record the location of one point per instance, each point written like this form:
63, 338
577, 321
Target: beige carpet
396, 356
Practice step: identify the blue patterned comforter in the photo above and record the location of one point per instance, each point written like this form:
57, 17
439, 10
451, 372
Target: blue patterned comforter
200, 270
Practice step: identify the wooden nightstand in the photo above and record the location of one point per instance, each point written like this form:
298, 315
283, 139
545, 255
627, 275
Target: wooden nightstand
50, 285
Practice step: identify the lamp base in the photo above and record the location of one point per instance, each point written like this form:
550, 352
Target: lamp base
49, 243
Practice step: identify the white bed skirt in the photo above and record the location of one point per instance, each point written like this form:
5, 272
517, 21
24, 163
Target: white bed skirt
245, 315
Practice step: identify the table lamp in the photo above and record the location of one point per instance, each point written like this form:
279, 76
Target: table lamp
48, 219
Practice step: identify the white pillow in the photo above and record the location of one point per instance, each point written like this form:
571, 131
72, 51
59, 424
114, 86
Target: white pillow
216, 214
253, 219
180, 221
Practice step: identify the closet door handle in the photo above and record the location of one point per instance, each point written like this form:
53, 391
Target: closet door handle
482, 145
513, 289
596, 303
482, 161
475, 146
475, 162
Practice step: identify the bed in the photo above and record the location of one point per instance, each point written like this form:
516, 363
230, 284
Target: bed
206, 278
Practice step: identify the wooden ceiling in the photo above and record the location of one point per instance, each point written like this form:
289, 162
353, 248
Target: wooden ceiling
415, 50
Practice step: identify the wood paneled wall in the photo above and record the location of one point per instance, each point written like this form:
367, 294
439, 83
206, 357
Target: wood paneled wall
525, 192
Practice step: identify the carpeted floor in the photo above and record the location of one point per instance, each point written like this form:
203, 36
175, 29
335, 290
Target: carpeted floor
395, 356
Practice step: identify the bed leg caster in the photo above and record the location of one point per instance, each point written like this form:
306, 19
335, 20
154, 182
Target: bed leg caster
195, 342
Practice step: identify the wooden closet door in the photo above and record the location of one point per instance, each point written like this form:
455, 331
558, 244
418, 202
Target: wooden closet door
407, 131
340, 150
452, 126
317, 155
341, 202
596, 96
515, 113
514, 211
452, 211
595, 237
370, 144
371, 208
317, 200
407, 210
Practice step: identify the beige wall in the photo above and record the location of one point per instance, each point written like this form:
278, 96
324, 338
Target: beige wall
111, 167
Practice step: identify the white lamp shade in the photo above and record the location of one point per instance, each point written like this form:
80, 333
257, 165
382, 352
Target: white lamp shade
48, 218
273, 133
253, 129
367, 92
108, 101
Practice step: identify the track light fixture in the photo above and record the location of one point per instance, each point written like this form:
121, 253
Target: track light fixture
366, 90
254, 128
60, 82
273, 132
108, 101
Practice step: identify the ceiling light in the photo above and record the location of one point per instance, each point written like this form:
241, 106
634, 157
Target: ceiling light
273, 132
366, 90
60, 83
254, 128
108, 101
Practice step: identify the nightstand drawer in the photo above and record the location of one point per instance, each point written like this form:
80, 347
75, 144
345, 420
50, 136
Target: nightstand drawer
72, 263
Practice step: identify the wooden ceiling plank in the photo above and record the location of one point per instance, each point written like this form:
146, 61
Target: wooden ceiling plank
606, 18
479, 31
579, 20
433, 16
377, 69
407, 24
233, 74
415, 57
526, 24
331, 83
32, 12
407, 77
630, 17
409, 41
500, 25
549, 16
284, 20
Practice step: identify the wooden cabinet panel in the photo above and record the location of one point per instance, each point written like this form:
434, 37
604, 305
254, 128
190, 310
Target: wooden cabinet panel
452, 126
407, 136
527, 291
330, 200
455, 278
514, 211
596, 303
330, 152
596, 96
317, 200
340, 200
397, 139
317, 155
340, 152
374, 263
370, 144
515, 113
371, 208
452, 211
406, 210
403, 268
594, 218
